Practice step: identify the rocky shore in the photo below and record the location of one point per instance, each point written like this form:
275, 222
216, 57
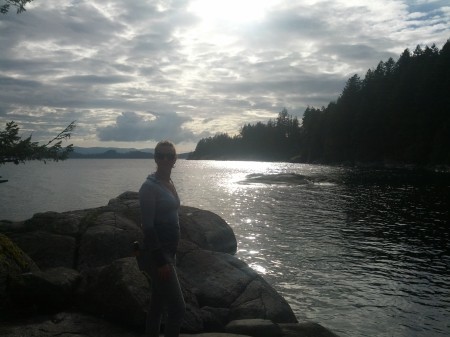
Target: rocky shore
74, 274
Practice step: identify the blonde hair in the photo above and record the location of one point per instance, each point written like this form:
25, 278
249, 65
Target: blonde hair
165, 143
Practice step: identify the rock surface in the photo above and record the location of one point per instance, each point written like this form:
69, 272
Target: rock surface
70, 324
73, 273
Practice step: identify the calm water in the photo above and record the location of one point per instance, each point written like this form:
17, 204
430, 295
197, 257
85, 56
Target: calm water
362, 252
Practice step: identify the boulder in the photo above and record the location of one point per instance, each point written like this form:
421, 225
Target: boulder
260, 300
108, 236
84, 262
67, 324
208, 230
83, 325
13, 263
45, 291
220, 280
214, 319
305, 329
56, 223
118, 291
46, 249
254, 327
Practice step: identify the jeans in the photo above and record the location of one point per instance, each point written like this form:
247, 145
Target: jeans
166, 295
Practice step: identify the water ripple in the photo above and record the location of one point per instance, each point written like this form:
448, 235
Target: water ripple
363, 252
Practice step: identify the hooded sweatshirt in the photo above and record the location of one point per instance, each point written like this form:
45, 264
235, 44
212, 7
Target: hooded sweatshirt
159, 216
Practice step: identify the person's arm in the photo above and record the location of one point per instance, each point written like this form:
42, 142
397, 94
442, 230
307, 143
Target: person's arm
147, 199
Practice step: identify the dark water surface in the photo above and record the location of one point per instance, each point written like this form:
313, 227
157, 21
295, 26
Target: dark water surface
363, 252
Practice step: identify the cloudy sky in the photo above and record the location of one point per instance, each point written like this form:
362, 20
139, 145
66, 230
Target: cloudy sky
134, 72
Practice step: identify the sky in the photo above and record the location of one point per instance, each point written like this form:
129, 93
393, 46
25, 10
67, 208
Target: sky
131, 73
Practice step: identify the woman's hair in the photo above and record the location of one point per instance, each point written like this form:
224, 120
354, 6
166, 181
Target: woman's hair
165, 143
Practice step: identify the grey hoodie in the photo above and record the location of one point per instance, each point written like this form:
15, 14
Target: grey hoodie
159, 216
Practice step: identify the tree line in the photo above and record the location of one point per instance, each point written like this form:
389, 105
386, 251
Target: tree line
398, 113
275, 140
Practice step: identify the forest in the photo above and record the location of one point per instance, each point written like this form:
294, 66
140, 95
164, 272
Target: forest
398, 114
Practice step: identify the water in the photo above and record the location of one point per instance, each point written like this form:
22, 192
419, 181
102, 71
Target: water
362, 252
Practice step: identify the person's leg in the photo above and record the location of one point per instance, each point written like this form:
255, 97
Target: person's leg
156, 305
165, 295
154, 312
176, 306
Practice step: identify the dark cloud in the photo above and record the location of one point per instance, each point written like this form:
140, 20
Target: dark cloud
14, 83
355, 52
95, 79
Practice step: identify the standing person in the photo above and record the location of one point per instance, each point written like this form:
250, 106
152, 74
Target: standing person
159, 204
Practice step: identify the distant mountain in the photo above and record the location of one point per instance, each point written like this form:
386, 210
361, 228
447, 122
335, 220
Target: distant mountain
114, 153
99, 150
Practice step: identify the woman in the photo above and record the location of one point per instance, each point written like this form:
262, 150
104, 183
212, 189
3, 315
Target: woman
159, 210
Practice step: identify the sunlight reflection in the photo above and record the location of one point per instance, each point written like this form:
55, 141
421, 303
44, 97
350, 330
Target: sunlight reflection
258, 268
240, 170
255, 166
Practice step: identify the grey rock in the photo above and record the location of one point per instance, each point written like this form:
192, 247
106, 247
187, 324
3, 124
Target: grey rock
222, 281
260, 300
57, 223
109, 236
215, 282
85, 257
213, 334
49, 290
13, 262
214, 319
46, 249
67, 324
278, 178
305, 329
118, 291
254, 327
207, 230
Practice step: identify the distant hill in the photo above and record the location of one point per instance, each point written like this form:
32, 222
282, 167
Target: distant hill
114, 153
98, 150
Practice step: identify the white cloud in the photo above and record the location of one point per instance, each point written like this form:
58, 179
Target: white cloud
96, 59
130, 127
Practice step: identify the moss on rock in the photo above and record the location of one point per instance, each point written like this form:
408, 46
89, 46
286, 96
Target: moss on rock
10, 252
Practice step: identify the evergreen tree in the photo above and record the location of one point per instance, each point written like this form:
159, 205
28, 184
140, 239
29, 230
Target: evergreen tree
19, 4
399, 112
14, 149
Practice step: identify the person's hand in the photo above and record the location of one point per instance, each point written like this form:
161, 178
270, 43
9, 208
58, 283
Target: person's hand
164, 272
136, 249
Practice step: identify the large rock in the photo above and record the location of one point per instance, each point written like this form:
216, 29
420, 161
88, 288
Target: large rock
86, 261
13, 263
48, 250
65, 324
83, 325
50, 290
254, 328
221, 280
108, 237
305, 329
207, 230
118, 291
